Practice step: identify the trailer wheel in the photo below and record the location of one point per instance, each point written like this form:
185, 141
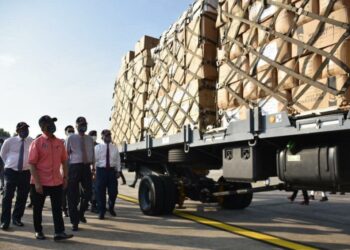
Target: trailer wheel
239, 201
151, 193
170, 194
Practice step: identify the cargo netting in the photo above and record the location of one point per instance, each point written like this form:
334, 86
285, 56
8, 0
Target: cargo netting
282, 56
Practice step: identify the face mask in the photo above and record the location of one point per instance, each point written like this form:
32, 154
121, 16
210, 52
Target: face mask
94, 138
51, 128
82, 129
23, 134
70, 133
107, 139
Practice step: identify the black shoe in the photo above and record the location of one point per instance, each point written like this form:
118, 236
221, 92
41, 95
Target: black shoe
17, 223
65, 212
324, 199
83, 219
112, 212
132, 185
124, 183
30, 205
101, 216
40, 236
75, 228
62, 236
4, 226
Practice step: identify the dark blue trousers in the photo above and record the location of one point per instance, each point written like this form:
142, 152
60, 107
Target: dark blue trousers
15, 181
106, 180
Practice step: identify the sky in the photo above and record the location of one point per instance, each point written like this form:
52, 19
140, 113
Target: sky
61, 57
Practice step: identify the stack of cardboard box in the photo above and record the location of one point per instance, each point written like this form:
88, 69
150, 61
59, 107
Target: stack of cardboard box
224, 57
308, 98
182, 84
254, 54
131, 92
122, 99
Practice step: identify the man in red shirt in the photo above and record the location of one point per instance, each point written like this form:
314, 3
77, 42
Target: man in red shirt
46, 155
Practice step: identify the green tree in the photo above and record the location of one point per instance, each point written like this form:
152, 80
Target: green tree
4, 133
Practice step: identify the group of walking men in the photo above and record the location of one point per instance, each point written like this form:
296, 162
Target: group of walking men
64, 170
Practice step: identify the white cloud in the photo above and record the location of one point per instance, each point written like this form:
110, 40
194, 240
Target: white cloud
7, 61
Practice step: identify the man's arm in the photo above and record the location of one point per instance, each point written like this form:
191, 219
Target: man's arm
119, 165
4, 150
34, 173
65, 174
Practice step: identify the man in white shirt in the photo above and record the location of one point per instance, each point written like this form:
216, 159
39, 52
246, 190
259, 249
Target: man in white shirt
14, 153
107, 169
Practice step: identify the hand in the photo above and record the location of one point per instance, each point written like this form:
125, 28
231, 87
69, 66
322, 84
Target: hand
39, 188
65, 183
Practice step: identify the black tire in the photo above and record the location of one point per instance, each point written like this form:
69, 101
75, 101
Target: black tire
170, 194
239, 201
151, 194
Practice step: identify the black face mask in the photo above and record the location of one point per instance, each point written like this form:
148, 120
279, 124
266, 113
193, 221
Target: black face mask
107, 139
82, 129
51, 128
24, 133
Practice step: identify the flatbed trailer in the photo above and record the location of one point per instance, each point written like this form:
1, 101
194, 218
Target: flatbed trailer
305, 152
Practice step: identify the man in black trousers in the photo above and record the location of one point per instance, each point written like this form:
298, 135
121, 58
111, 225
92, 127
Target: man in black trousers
14, 153
48, 166
107, 170
80, 149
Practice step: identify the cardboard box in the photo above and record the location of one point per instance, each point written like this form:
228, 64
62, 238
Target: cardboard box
252, 91
311, 6
228, 75
220, 18
237, 88
287, 81
199, 28
314, 99
225, 98
265, 37
205, 6
233, 28
222, 98
146, 42
284, 21
235, 50
128, 57
330, 35
277, 50
258, 7
235, 114
233, 8
270, 105
343, 54
337, 5
222, 54
269, 79
308, 65
250, 37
